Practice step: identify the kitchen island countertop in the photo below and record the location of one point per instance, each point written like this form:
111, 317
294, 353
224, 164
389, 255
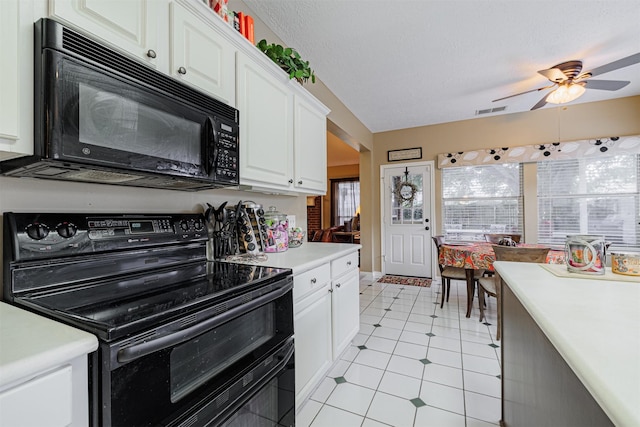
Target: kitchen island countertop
594, 325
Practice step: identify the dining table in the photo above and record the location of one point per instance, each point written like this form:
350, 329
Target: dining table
480, 256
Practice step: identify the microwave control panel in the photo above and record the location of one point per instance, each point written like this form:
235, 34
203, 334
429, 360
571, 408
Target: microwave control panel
226, 163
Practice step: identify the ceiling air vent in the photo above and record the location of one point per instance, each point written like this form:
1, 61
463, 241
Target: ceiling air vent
490, 110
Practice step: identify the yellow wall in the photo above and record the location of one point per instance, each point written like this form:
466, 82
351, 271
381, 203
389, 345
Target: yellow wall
566, 123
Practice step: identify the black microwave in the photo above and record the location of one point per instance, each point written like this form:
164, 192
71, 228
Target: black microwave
103, 117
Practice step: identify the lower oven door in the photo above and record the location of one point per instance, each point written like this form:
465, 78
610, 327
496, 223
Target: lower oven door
263, 397
158, 378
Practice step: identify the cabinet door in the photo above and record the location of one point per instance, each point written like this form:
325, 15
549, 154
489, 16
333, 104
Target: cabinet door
201, 56
130, 25
266, 127
345, 310
16, 79
313, 355
310, 139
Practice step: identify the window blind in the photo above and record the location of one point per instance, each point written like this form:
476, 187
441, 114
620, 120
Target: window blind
482, 199
590, 196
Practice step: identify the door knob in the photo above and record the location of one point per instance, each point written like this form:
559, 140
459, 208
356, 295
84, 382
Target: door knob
182, 70
426, 228
151, 53
426, 220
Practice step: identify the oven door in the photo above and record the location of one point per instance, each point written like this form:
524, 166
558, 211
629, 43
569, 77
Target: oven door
156, 377
264, 396
96, 117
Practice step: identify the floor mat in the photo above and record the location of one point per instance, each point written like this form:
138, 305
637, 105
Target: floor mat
406, 280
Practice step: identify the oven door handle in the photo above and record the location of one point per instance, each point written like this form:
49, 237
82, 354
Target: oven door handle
137, 351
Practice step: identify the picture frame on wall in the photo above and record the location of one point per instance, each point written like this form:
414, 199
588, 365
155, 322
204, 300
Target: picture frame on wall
404, 154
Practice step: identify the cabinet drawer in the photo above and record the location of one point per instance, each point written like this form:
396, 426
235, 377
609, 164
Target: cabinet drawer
42, 401
311, 280
342, 265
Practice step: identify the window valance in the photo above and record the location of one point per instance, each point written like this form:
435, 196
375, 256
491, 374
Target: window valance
534, 153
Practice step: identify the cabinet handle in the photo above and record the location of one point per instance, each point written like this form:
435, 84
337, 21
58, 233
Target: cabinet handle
182, 70
313, 280
151, 53
291, 181
300, 182
330, 290
348, 262
337, 285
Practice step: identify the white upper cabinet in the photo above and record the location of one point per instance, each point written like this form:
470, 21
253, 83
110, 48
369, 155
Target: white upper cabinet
282, 126
266, 132
130, 25
16, 79
200, 55
310, 146
283, 131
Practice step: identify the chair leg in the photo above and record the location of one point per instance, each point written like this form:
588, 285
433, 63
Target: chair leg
448, 289
444, 291
481, 301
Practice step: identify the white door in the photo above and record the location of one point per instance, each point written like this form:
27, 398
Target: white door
407, 212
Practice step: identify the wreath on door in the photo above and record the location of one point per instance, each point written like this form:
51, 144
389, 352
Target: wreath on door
405, 191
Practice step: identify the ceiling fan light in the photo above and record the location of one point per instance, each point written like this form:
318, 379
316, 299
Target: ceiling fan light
566, 93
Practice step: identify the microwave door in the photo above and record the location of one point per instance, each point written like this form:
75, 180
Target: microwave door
119, 123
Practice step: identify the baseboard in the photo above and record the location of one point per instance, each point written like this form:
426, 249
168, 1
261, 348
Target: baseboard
368, 275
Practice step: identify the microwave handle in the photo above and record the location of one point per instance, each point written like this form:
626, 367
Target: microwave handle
212, 145
137, 351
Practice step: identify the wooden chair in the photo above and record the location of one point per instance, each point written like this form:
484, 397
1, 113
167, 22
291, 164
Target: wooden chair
496, 237
451, 273
491, 285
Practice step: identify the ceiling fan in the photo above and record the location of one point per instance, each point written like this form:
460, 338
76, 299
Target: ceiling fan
570, 82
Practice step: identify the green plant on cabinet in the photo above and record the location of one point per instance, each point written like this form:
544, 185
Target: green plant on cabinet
289, 60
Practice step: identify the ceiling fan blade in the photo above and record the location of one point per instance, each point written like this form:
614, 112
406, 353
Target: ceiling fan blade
553, 74
522, 93
620, 63
606, 84
540, 103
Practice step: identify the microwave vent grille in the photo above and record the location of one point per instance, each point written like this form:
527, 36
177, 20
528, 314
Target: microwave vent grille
84, 47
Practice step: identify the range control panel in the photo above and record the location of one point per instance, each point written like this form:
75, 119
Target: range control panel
31, 236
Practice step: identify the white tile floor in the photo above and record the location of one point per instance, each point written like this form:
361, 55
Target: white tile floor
412, 364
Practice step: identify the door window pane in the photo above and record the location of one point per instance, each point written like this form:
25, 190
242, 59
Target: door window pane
405, 211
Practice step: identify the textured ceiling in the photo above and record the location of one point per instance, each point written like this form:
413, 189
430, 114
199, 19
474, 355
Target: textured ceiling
398, 64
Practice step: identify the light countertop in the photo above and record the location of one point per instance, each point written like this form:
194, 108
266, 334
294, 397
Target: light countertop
309, 255
595, 326
30, 344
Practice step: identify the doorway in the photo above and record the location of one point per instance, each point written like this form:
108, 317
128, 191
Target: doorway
407, 211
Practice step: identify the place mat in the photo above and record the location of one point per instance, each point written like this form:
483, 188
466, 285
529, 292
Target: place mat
406, 280
560, 270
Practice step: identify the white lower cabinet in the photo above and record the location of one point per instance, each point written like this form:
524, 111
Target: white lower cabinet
345, 310
326, 319
313, 353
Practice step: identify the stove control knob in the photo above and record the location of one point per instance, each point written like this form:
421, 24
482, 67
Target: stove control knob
66, 229
198, 225
37, 231
184, 225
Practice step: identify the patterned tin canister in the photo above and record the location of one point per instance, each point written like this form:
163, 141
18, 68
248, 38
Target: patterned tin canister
627, 263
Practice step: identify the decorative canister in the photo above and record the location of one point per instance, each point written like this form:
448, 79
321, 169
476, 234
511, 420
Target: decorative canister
585, 254
277, 231
627, 263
